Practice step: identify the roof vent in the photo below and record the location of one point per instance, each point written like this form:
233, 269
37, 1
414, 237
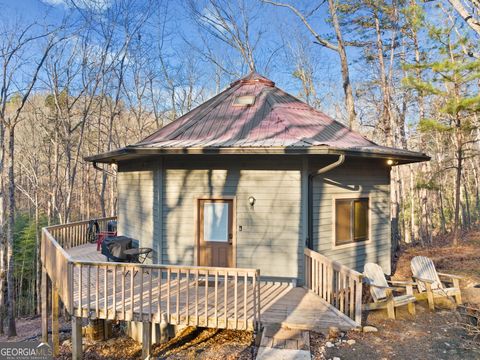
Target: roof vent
246, 100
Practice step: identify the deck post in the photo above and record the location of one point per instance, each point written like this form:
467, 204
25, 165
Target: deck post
55, 331
77, 350
44, 298
358, 302
146, 339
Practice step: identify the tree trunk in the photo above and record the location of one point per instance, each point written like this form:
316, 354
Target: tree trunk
443, 222
38, 278
347, 86
3, 245
468, 217
386, 113
413, 227
467, 16
12, 331
458, 179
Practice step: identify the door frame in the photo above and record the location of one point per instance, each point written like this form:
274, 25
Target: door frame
196, 239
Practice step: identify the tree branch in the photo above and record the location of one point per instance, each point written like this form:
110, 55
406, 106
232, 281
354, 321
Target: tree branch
468, 17
321, 41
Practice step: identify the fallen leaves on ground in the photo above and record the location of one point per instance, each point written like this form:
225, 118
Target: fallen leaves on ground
200, 343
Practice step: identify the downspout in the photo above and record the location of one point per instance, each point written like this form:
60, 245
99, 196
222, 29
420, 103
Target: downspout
311, 176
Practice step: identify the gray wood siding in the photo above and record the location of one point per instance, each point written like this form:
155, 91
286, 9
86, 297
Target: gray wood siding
271, 230
138, 203
157, 199
359, 177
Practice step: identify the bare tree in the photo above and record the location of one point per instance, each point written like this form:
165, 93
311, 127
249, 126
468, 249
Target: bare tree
13, 97
339, 47
469, 10
229, 22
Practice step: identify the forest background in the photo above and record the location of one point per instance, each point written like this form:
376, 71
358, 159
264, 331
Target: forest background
80, 77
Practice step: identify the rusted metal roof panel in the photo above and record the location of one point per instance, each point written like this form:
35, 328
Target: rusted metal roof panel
275, 120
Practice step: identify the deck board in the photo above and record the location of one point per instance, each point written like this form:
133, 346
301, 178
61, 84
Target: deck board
281, 304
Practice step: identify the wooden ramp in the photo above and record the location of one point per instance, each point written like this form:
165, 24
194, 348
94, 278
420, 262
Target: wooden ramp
280, 303
298, 308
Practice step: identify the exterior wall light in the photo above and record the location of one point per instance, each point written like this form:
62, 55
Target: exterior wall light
390, 162
251, 200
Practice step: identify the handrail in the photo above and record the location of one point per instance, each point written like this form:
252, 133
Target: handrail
184, 295
80, 222
75, 233
57, 263
335, 264
56, 244
335, 283
163, 266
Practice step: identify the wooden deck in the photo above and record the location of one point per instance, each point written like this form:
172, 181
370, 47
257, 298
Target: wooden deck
183, 300
232, 298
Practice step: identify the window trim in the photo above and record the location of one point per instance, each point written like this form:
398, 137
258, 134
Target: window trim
334, 211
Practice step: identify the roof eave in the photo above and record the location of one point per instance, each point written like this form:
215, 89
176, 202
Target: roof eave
135, 152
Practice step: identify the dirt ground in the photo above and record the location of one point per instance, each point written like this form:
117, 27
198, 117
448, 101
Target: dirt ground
208, 344
434, 336
30, 329
431, 335
190, 344
463, 259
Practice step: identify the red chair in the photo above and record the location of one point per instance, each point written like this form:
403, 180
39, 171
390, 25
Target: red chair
102, 235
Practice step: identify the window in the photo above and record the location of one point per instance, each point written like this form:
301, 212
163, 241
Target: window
245, 100
351, 221
215, 221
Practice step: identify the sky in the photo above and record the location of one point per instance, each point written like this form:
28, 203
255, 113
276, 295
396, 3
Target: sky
279, 23
280, 32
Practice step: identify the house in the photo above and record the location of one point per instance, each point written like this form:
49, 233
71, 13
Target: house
258, 209
250, 178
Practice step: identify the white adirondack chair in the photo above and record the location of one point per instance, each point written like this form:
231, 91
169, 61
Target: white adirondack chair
382, 291
429, 284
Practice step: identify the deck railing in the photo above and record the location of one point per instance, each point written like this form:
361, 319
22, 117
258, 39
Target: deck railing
181, 295
335, 283
75, 233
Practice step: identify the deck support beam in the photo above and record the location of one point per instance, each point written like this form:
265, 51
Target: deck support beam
146, 339
55, 327
77, 349
44, 299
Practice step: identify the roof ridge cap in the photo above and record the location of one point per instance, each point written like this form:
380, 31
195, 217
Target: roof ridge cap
250, 79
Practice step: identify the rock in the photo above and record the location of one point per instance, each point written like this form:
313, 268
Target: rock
329, 344
67, 343
333, 332
338, 343
351, 342
336, 358
367, 329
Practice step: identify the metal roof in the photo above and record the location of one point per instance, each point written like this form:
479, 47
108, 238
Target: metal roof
276, 122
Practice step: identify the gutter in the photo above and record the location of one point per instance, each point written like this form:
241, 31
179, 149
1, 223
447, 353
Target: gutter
404, 157
311, 176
